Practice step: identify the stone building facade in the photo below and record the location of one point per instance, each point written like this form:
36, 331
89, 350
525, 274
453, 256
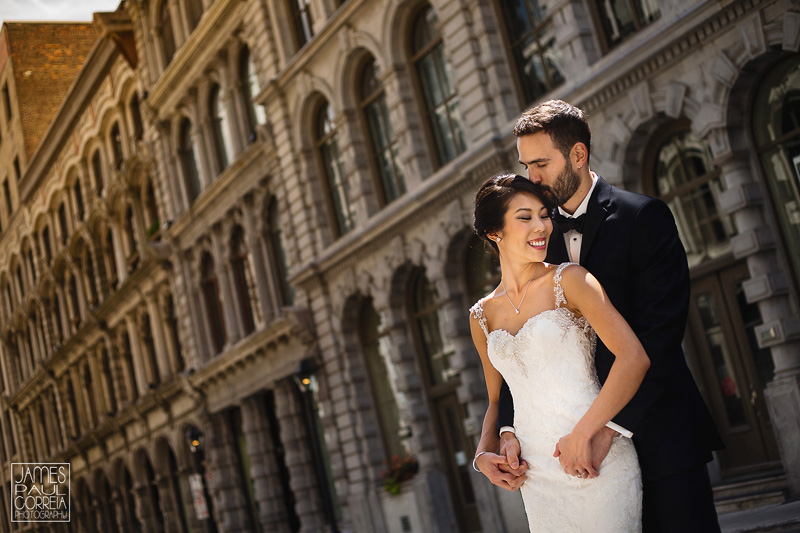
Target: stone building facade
234, 281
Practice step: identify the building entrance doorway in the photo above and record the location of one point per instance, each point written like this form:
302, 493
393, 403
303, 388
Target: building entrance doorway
734, 369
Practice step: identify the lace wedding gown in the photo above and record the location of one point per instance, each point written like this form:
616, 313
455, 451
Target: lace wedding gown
549, 368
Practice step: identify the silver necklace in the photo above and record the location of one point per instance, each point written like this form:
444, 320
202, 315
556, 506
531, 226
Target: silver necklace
517, 308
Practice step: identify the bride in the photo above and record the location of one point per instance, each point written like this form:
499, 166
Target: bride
537, 330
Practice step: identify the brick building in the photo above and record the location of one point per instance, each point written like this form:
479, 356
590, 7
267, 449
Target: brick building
236, 260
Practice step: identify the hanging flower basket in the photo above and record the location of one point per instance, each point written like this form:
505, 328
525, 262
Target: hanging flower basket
398, 470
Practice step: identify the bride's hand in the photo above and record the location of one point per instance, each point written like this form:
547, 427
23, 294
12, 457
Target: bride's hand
574, 452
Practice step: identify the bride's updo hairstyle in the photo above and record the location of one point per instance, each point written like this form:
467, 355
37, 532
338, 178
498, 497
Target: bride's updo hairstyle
491, 203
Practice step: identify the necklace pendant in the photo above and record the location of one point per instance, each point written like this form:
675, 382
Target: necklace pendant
517, 310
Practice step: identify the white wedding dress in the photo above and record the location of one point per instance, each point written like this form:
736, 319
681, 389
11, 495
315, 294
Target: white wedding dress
549, 368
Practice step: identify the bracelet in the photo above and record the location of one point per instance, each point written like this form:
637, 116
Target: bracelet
475, 466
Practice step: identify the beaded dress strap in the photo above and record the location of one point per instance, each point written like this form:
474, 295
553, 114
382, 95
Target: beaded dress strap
477, 311
559, 291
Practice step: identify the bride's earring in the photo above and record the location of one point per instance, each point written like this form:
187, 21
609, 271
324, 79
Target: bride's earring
498, 240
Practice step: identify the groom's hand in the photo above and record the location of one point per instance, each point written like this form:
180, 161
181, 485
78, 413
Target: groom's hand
574, 452
495, 467
601, 443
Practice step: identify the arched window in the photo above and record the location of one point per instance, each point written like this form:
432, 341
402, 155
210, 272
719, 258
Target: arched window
685, 177
48, 250
62, 221
130, 239
188, 157
379, 130
149, 345
377, 350
87, 265
529, 30
776, 129
241, 278
167, 34
127, 358
441, 100
222, 130
620, 20
20, 284
108, 381
302, 22
79, 207
109, 260
128, 501
56, 316
97, 169
277, 253
250, 88
116, 146
194, 10
338, 191
74, 300
208, 287
91, 405
172, 326
136, 117
31, 265
152, 223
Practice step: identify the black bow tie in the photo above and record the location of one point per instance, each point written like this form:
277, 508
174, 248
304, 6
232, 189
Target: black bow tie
569, 223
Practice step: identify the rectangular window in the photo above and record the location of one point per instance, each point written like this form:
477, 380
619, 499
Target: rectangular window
620, 19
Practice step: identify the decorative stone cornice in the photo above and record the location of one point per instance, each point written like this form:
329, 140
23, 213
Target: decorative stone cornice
673, 52
217, 24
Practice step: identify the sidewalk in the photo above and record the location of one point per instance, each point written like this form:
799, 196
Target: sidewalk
784, 517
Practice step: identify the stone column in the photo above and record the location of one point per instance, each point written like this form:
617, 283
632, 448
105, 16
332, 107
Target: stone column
171, 353
299, 458
144, 508
430, 484
222, 268
263, 276
138, 357
207, 140
119, 254
769, 287
230, 509
264, 466
157, 330
169, 507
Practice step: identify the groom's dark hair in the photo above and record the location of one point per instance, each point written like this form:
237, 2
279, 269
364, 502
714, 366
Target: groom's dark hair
565, 123
491, 203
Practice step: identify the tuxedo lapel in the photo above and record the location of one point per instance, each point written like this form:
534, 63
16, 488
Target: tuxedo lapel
556, 249
596, 213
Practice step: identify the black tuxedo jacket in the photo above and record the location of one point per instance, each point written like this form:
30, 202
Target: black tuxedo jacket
631, 245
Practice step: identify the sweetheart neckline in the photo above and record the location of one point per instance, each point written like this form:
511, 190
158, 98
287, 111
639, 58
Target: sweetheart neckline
515, 335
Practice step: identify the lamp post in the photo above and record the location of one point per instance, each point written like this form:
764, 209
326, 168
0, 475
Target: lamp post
305, 378
197, 480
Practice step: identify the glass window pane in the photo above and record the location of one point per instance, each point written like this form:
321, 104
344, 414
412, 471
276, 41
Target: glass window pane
438, 93
685, 177
776, 120
721, 360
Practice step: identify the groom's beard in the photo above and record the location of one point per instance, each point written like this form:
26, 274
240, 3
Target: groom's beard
566, 184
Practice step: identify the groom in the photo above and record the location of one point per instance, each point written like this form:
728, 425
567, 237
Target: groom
630, 243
